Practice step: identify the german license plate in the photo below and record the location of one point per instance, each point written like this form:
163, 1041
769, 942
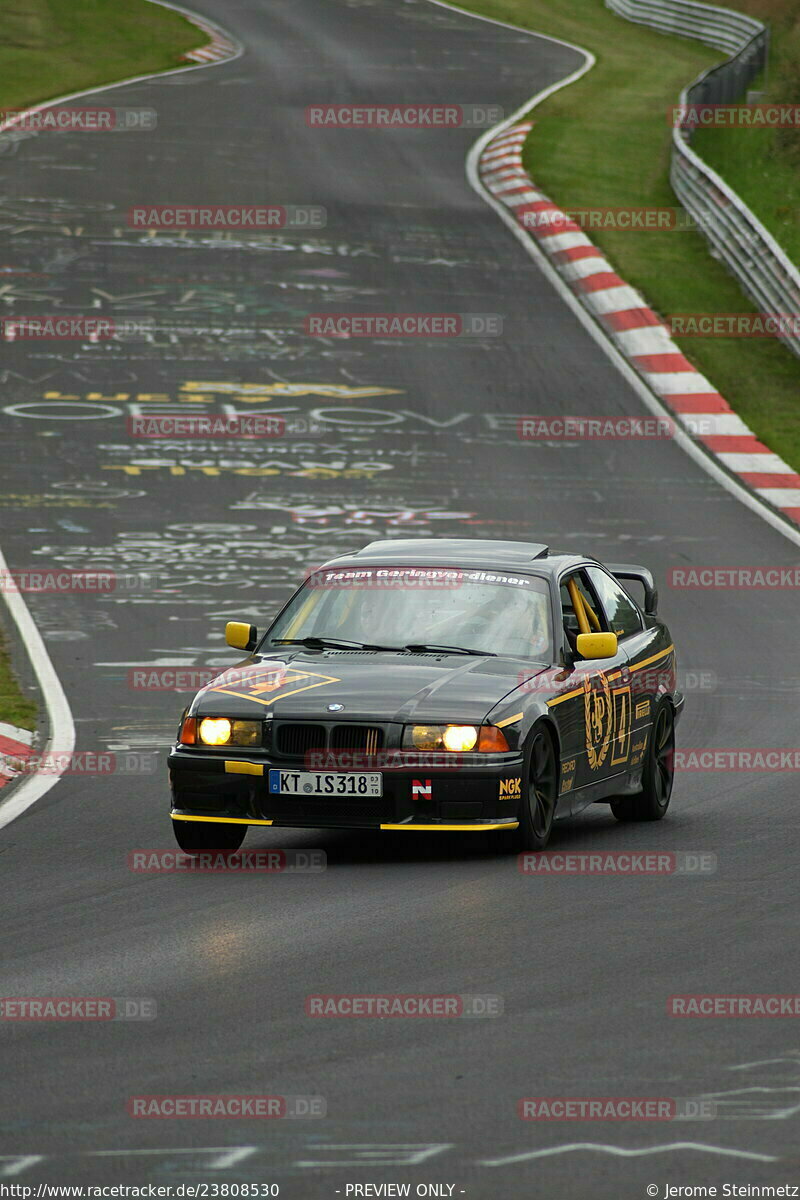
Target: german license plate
324, 783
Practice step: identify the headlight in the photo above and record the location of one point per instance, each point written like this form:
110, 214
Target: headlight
219, 731
458, 739
441, 737
215, 731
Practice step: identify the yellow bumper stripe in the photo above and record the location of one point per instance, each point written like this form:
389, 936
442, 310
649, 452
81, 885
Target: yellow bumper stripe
221, 820
233, 767
499, 825
252, 821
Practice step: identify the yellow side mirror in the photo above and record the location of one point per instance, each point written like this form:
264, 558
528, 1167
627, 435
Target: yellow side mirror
240, 635
597, 645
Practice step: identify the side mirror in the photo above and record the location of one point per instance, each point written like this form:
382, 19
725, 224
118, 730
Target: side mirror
597, 645
241, 636
627, 571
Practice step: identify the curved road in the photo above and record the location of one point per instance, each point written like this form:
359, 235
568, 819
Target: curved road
424, 442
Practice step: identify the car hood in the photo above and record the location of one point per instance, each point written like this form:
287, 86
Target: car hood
372, 686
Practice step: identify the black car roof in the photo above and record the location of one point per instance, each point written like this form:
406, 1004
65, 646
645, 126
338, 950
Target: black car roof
455, 552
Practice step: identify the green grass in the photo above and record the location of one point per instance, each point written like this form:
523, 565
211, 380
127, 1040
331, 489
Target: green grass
15, 709
769, 183
605, 141
54, 47
763, 166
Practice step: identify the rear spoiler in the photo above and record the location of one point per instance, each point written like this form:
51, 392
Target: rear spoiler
623, 571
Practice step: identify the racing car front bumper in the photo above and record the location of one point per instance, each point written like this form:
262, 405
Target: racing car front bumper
211, 787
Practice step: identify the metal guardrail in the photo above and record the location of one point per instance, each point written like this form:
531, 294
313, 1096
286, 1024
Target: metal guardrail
719, 27
735, 234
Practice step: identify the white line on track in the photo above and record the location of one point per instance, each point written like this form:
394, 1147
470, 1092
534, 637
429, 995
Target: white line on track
225, 1156
62, 728
624, 1152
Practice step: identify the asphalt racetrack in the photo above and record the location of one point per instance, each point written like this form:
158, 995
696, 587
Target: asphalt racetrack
424, 442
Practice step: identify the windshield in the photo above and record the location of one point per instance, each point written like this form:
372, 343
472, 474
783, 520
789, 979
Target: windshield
492, 612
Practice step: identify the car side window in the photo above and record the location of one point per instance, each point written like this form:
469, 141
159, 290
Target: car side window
622, 614
594, 613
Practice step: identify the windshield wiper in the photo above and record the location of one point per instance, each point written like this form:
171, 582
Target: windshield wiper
336, 643
323, 643
426, 647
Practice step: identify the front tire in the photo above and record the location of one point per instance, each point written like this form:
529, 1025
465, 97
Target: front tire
658, 776
539, 799
193, 837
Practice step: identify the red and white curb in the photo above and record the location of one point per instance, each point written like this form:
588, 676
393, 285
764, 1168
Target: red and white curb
217, 49
16, 747
636, 331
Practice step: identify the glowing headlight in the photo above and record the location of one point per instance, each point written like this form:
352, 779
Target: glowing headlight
441, 737
215, 731
459, 737
219, 731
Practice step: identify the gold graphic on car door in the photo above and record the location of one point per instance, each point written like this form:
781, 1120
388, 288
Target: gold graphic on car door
598, 715
622, 725
607, 716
